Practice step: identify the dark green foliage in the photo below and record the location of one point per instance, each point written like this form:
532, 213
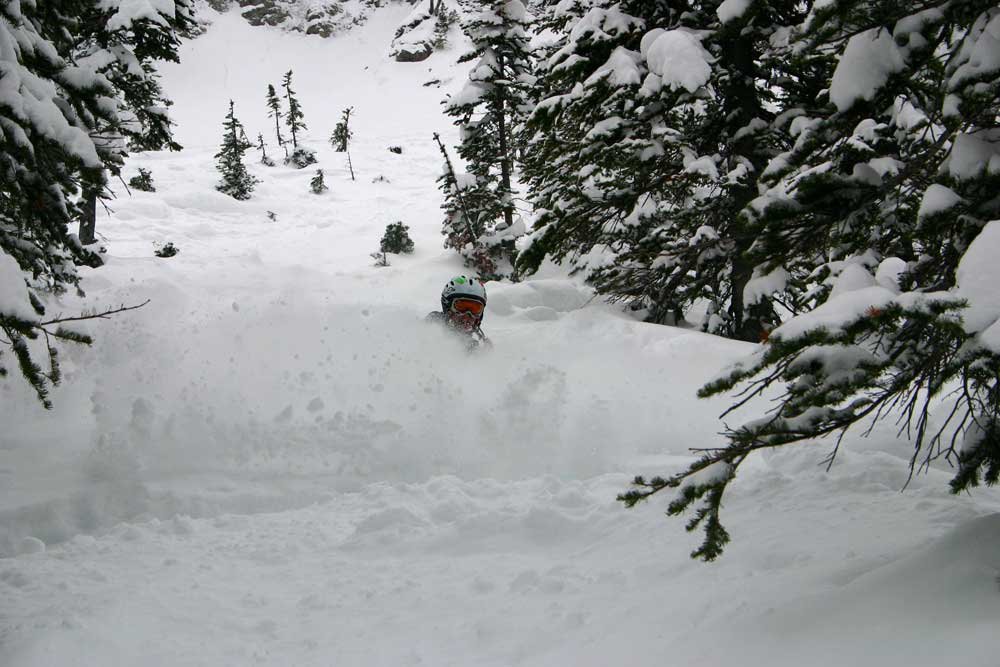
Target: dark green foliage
143, 181
294, 116
443, 21
274, 111
655, 176
342, 132
134, 49
866, 185
60, 144
236, 181
487, 110
318, 184
262, 147
396, 239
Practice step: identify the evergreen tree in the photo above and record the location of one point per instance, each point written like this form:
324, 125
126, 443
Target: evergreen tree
274, 111
317, 184
262, 147
122, 45
342, 132
444, 19
462, 228
294, 117
881, 208
646, 145
396, 239
486, 110
62, 122
590, 157
236, 181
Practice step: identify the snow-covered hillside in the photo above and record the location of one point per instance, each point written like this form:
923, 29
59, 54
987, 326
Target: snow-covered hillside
276, 461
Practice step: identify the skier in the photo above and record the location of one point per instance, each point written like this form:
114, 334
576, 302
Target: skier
463, 304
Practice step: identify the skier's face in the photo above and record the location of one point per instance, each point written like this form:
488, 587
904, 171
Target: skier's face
465, 322
465, 314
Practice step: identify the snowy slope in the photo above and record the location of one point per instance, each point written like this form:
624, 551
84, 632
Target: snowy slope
277, 462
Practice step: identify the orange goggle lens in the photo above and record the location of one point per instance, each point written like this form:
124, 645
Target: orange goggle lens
467, 306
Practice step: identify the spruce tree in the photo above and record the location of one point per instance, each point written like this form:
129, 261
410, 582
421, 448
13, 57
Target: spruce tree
881, 208
123, 46
262, 147
274, 111
590, 158
342, 132
47, 157
462, 226
646, 146
294, 116
236, 181
317, 184
487, 111
396, 239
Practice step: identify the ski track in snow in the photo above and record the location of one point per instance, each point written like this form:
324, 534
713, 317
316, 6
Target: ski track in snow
277, 462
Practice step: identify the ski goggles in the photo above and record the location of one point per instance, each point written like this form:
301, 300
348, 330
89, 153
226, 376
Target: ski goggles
467, 306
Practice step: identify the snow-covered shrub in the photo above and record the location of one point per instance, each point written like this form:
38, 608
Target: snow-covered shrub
301, 158
318, 185
166, 250
142, 181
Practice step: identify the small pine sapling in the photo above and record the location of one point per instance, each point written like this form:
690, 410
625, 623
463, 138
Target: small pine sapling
397, 239
442, 26
262, 147
144, 181
381, 259
317, 184
274, 111
342, 134
294, 118
236, 180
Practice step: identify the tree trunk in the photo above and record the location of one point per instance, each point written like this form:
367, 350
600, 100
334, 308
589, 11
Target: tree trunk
749, 323
88, 218
505, 161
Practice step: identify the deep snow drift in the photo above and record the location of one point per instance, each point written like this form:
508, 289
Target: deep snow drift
277, 462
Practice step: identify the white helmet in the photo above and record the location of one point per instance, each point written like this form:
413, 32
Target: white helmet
462, 287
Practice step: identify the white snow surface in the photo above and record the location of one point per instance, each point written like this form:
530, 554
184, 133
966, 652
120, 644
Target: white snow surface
277, 462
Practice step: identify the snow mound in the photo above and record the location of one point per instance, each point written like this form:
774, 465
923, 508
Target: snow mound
549, 296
